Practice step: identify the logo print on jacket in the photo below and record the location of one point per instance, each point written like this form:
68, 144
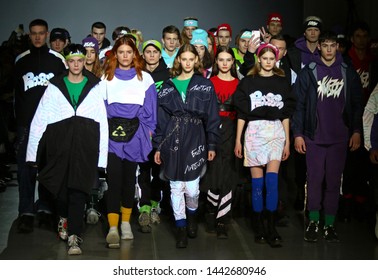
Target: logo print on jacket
328, 87
31, 81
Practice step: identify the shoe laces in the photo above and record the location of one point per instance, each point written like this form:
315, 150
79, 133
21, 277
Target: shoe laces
74, 241
92, 211
313, 226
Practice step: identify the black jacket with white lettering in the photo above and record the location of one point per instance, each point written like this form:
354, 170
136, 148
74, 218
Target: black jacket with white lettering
33, 69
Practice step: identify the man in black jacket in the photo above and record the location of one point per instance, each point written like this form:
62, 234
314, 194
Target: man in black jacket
33, 69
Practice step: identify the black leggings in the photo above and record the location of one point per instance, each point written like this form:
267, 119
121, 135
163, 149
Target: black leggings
121, 183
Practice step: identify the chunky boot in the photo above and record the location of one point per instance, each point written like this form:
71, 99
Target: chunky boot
192, 225
273, 238
258, 227
210, 218
181, 238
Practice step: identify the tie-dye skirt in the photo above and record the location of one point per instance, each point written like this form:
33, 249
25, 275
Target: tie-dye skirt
264, 141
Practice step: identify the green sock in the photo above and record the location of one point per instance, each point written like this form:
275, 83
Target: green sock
329, 220
154, 204
314, 216
145, 208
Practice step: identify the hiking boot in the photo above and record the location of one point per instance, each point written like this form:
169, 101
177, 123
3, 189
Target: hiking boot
154, 216
113, 238
74, 245
311, 233
144, 222
192, 227
258, 227
181, 238
25, 224
330, 234
62, 229
126, 232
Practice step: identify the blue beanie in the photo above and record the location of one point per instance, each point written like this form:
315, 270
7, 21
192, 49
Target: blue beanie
199, 37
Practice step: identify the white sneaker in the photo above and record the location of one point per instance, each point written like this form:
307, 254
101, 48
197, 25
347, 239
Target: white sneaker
93, 216
127, 234
74, 245
113, 238
62, 229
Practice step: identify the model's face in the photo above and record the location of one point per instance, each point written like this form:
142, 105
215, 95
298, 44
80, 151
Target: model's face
224, 37
209, 44
312, 34
281, 46
201, 50
91, 56
125, 56
188, 31
243, 45
187, 61
224, 62
170, 41
274, 27
151, 55
328, 51
38, 35
99, 34
360, 39
58, 45
267, 61
75, 65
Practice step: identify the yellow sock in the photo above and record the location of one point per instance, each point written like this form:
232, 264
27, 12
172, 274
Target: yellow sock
113, 219
126, 213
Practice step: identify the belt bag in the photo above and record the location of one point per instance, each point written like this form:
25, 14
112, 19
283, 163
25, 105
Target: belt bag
122, 129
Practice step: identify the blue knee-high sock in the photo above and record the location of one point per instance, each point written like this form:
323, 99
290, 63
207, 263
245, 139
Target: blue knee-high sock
271, 184
257, 195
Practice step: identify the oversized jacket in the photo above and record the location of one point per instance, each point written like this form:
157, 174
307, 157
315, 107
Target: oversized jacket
304, 122
74, 142
186, 131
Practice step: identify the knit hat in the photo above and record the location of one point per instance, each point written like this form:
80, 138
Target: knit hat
154, 43
199, 37
270, 46
224, 26
274, 17
90, 42
58, 33
191, 22
312, 21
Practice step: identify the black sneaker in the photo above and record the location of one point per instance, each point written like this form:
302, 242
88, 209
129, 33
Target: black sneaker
311, 233
330, 234
25, 224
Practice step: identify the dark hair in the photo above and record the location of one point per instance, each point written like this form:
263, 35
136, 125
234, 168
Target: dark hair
327, 35
171, 29
99, 24
278, 37
359, 25
177, 69
228, 50
39, 22
117, 31
111, 62
74, 48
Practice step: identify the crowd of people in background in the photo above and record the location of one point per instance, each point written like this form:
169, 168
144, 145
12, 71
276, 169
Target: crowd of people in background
181, 123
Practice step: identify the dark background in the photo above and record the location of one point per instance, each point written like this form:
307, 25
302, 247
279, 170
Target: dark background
151, 16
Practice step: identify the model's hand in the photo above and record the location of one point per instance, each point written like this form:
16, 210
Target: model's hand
253, 44
374, 156
238, 150
211, 155
286, 152
265, 35
157, 157
300, 145
355, 141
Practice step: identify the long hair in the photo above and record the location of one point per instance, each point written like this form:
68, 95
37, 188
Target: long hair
111, 62
96, 68
228, 50
176, 70
257, 67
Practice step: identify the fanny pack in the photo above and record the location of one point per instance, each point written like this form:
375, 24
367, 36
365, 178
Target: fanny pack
122, 129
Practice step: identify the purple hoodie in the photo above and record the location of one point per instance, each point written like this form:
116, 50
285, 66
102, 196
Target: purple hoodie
331, 100
306, 55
